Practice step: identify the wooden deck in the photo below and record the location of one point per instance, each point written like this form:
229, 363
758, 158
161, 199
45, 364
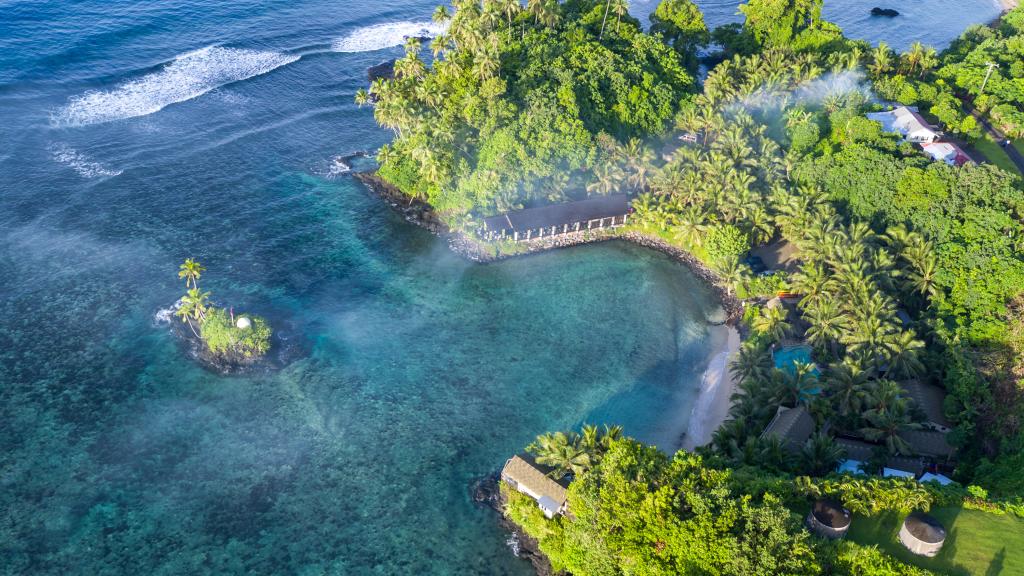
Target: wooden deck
557, 219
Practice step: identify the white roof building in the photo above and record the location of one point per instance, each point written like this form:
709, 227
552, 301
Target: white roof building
907, 122
946, 152
892, 472
929, 477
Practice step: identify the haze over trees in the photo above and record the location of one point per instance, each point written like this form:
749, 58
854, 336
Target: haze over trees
909, 269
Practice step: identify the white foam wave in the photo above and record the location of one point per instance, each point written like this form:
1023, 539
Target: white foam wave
380, 36
186, 77
81, 163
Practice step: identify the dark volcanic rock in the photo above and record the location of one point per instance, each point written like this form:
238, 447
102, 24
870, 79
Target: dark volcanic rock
487, 493
385, 70
887, 12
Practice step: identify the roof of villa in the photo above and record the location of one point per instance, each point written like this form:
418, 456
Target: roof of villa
533, 477
856, 450
928, 443
930, 399
791, 425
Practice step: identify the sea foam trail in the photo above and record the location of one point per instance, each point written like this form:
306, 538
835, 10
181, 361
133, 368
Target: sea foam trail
81, 163
186, 77
380, 36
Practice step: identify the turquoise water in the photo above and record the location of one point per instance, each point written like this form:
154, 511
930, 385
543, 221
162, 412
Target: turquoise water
787, 357
138, 134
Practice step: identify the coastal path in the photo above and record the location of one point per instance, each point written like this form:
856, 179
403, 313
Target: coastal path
558, 219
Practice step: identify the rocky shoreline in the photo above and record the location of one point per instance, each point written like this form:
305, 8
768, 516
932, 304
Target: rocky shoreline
487, 492
420, 213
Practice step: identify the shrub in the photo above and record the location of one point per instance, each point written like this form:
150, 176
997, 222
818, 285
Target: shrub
222, 336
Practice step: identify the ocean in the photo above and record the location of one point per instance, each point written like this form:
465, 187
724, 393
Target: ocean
136, 134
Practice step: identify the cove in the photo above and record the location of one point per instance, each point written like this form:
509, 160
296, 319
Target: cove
416, 373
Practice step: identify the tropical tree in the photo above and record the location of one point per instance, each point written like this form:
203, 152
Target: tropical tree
190, 271
886, 426
753, 363
772, 323
795, 386
820, 455
441, 14
847, 386
563, 452
192, 307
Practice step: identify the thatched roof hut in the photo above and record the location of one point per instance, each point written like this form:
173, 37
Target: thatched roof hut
922, 534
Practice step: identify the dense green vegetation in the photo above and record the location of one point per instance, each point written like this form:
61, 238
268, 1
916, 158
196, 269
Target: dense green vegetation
908, 269
224, 333
636, 510
520, 105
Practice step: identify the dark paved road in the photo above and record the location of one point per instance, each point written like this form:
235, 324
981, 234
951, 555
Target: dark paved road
999, 137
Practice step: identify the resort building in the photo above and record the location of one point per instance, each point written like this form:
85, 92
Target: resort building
793, 426
946, 152
857, 455
530, 478
928, 443
931, 400
908, 122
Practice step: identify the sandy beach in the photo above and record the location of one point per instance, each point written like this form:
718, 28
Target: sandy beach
717, 386
1009, 4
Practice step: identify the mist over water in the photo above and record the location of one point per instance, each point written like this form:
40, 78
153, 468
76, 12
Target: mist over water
136, 135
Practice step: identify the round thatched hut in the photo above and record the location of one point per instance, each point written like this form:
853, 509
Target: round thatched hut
828, 519
922, 534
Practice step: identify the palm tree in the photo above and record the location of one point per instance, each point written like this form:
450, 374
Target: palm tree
621, 7
190, 271
752, 363
904, 351
796, 386
362, 97
881, 59
193, 306
828, 323
772, 323
733, 274
886, 426
847, 386
543, 12
607, 179
441, 14
820, 455
510, 8
607, 6
562, 452
690, 227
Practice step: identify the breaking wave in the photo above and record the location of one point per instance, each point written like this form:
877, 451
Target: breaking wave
184, 78
380, 36
81, 163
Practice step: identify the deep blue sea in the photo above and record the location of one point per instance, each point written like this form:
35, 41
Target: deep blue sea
136, 134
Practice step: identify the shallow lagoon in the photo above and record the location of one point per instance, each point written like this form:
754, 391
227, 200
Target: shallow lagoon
415, 373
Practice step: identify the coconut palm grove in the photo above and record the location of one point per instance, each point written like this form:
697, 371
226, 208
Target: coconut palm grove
882, 363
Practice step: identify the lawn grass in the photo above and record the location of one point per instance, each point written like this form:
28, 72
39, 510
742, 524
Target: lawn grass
977, 543
996, 154
1019, 145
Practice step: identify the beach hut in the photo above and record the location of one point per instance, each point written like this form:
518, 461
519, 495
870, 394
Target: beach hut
828, 519
530, 478
922, 534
